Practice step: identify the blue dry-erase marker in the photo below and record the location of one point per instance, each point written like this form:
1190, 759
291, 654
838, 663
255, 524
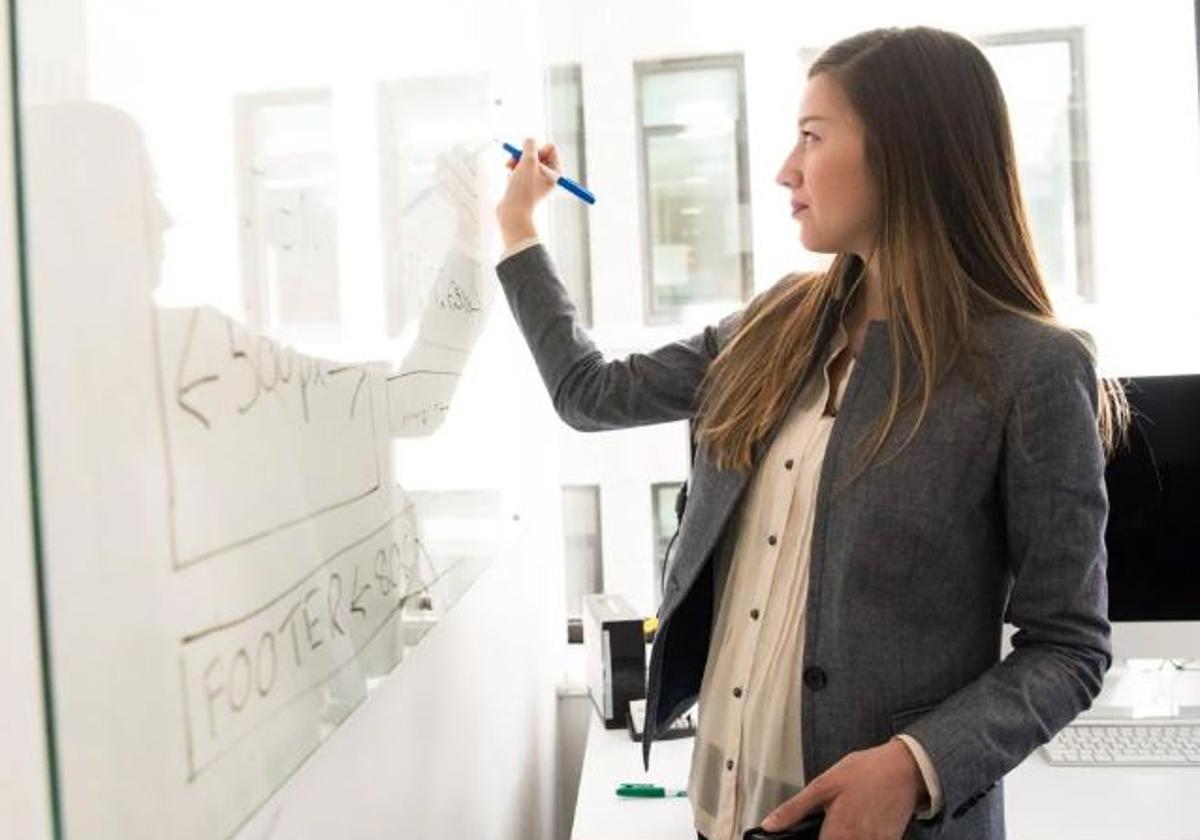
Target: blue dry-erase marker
562, 180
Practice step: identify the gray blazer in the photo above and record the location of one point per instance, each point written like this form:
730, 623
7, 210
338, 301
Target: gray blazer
995, 511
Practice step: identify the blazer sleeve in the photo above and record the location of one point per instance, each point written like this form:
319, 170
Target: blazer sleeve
1055, 509
589, 392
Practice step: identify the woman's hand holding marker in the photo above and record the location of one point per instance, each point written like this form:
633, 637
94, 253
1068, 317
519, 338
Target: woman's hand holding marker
529, 184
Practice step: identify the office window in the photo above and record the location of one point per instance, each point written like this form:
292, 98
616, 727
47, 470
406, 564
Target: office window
662, 498
1042, 76
569, 233
695, 184
581, 551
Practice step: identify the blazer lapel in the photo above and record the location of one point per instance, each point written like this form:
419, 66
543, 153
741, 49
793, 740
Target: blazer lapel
714, 492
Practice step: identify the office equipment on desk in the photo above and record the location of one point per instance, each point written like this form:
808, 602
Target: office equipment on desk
683, 726
1153, 532
1153, 544
1163, 743
614, 651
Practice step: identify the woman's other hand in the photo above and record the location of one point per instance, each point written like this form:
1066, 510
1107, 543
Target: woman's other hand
868, 795
528, 185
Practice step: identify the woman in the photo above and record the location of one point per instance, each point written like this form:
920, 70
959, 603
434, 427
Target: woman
895, 456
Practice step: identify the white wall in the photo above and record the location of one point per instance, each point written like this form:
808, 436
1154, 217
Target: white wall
24, 775
574, 716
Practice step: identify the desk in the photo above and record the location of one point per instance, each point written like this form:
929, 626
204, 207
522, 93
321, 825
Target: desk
1043, 802
611, 758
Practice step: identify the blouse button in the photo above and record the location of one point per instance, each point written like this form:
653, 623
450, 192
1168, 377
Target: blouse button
787, 465
754, 614
771, 540
729, 764
737, 692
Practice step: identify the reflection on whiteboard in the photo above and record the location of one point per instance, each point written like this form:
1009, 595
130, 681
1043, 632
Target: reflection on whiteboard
241, 672
392, 584
301, 250
229, 561
287, 197
419, 392
432, 133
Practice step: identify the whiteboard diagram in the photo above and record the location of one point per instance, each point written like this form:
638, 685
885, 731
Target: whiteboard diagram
230, 560
259, 437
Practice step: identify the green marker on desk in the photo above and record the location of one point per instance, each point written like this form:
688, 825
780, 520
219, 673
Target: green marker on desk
647, 791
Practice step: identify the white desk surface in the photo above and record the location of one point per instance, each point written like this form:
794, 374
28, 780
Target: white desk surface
1043, 802
612, 757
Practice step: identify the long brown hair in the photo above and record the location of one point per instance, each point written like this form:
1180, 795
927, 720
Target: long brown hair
953, 243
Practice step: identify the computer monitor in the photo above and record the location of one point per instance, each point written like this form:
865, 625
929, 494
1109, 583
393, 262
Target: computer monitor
1153, 534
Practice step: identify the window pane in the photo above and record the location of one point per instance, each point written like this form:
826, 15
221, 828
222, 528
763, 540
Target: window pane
569, 217
695, 96
697, 207
665, 522
581, 545
1046, 113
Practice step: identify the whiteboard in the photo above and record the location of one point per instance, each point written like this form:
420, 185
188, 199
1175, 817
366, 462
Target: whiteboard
238, 550
25, 809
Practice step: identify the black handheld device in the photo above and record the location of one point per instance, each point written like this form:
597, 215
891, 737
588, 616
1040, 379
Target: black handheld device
808, 829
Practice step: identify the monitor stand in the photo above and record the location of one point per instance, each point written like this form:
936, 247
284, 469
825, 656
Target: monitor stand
1139, 689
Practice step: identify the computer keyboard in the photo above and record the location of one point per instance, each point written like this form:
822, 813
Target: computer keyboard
1123, 743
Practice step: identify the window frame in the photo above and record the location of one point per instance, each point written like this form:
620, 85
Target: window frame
1081, 190
585, 303
575, 622
642, 69
1085, 278
658, 557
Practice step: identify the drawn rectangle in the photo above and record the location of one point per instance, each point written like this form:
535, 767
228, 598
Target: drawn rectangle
259, 437
238, 674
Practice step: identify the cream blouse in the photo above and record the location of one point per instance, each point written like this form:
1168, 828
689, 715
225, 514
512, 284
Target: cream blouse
747, 758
